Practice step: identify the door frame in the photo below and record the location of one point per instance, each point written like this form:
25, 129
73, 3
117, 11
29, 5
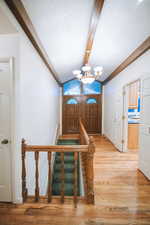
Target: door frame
125, 112
10, 61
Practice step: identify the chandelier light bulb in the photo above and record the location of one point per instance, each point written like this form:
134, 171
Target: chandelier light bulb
86, 68
86, 76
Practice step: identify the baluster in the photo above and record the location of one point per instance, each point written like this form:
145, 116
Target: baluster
24, 189
84, 157
90, 172
49, 178
75, 178
84, 160
62, 177
36, 176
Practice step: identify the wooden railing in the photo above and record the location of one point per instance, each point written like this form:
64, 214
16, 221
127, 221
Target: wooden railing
85, 150
87, 163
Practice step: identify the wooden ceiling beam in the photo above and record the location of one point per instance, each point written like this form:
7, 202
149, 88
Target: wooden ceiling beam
130, 59
92, 29
23, 19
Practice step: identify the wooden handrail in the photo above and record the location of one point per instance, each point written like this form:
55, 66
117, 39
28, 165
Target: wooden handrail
56, 148
86, 150
87, 162
84, 138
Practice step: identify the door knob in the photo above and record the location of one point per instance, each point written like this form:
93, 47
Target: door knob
4, 142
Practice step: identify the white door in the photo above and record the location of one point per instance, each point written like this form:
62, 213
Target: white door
118, 121
5, 154
144, 153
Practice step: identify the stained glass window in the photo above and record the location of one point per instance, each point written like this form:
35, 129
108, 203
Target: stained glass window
93, 88
72, 88
91, 101
72, 101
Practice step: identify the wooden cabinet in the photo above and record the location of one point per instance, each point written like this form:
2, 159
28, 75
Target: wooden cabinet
133, 95
133, 136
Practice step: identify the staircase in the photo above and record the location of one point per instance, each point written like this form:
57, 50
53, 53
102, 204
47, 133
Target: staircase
64, 172
68, 170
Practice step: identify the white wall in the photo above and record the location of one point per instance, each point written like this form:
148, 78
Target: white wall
40, 105
40, 96
115, 86
37, 102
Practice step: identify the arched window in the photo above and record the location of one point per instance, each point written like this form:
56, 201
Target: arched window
93, 88
72, 101
91, 101
72, 87
76, 87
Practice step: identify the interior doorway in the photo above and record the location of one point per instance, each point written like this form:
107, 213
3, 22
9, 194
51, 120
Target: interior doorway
132, 116
5, 130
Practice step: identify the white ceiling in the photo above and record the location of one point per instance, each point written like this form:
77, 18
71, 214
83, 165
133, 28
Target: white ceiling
62, 26
5, 26
123, 26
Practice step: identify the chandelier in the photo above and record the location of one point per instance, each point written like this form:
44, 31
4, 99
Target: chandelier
85, 74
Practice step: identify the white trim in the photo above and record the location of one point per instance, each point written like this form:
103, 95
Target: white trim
125, 121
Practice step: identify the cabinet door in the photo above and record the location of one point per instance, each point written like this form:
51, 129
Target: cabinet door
133, 136
133, 95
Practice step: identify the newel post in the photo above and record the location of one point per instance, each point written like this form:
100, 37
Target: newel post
90, 172
24, 189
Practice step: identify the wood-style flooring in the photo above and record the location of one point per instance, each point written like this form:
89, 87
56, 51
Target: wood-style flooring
122, 196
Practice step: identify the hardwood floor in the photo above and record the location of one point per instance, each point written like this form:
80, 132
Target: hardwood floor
122, 196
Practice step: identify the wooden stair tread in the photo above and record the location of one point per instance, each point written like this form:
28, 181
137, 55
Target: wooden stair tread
69, 136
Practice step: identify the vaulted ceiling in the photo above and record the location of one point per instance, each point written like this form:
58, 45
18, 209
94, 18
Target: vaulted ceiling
63, 28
